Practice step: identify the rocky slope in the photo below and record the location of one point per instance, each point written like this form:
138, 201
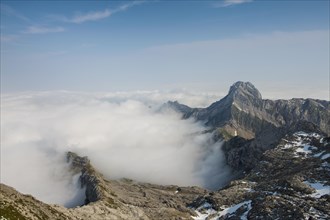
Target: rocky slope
245, 112
105, 199
291, 181
251, 125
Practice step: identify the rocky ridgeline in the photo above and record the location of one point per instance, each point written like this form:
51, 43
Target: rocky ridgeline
251, 125
244, 112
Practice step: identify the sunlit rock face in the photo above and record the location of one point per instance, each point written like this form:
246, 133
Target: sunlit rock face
243, 110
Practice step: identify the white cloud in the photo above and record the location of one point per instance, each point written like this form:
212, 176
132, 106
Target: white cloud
90, 16
127, 6
227, 3
123, 137
43, 30
97, 15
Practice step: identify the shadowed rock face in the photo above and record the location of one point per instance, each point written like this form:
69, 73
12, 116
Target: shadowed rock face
89, 178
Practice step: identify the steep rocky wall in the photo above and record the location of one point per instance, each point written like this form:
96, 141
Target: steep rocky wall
89, 179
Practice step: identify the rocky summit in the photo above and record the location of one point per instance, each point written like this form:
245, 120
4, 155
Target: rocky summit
278, 149
243, 112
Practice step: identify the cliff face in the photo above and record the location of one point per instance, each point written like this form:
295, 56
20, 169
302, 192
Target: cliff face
89, 178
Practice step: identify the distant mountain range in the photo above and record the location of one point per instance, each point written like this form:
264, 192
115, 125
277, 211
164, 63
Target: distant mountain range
278, 149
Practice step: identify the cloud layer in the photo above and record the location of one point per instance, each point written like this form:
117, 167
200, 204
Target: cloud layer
123, 137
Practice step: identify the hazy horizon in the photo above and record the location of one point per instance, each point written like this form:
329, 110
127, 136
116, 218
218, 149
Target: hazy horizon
204, 46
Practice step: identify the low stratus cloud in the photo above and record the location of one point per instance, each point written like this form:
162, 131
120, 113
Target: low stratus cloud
123, 137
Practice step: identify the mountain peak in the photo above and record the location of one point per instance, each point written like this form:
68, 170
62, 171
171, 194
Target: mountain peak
244, 88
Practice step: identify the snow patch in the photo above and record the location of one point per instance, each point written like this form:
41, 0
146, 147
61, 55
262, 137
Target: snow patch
287, 146
326, 156
249, 189
231, 210
301, 134
304, 134
306, 149
319, 154
245, 214
204, 211
320, 188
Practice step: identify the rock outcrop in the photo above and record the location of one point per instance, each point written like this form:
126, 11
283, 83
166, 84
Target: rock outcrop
91, 180
290, 181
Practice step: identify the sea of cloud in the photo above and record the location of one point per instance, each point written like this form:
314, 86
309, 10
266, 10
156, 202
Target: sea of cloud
123, 134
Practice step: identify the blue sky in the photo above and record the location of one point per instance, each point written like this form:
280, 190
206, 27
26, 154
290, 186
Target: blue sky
280, 46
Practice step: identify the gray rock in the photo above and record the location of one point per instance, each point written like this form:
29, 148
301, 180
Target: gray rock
243, 110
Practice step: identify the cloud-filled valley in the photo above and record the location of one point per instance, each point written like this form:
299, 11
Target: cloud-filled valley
123, 134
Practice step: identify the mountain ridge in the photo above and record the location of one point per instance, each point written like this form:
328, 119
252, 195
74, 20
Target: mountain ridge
251, 125
243, 111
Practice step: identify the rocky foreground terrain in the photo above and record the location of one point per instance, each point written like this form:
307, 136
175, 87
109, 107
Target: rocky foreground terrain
279, 151
291, 181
